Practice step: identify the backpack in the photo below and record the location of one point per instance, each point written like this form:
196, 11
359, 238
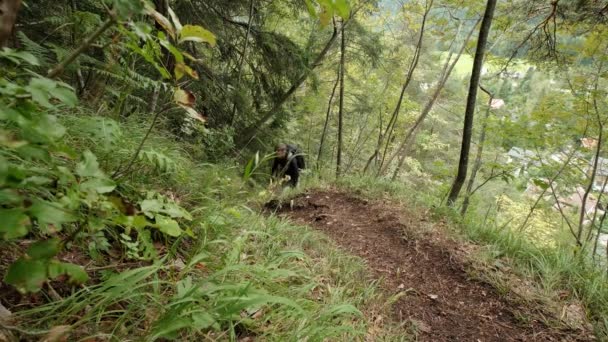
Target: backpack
297, 153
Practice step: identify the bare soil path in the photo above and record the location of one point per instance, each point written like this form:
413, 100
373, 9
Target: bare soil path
439, 297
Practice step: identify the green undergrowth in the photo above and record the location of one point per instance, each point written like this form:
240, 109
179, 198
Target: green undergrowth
555, 271
238, 273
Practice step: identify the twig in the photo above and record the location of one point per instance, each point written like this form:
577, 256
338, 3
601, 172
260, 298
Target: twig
141, 144
57, 70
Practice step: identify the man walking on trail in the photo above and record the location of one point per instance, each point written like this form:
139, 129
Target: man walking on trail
286, 164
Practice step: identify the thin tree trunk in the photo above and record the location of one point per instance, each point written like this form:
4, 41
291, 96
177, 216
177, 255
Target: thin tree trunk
242, 61
341, 106
600, 123
327, 115
8, 16
154, 100
445, 74
378, 146
477, 164
470, 109
250, 131
390, 128
601, 223
58, 69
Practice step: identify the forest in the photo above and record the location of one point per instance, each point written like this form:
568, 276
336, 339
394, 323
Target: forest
454, 186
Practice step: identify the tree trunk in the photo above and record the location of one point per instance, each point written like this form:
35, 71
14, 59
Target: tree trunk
477, 164
154, 100
341, 105
471, 99
326, 124
242, 61
377, 150
8, 16
445, 74
600, 124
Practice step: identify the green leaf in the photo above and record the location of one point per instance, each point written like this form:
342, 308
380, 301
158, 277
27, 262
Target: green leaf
27, 275
3, 171
197, 34
66, 96
202, 320
49, 126
10, 197
168, 226
311, 8
151, 206
89, 167
540, 183
44, 249
41, 89
47, 213
137, 222
342, 8
14, 223
99, 185
76, 274
18, 56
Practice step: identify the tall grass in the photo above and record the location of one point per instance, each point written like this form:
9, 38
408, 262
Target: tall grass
243, 274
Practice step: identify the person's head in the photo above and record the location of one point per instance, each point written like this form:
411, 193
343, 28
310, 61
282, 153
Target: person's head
281, 151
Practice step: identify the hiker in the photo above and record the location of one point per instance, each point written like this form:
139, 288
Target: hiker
287, 162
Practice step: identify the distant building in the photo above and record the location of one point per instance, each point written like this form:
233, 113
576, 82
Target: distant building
525, 158
600, 175
497, 103
589, 143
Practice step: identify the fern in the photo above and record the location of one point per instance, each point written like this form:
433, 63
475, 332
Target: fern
43, 54
158, 160
104, 131
128, 77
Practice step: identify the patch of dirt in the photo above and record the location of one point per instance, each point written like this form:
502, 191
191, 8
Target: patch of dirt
437, 297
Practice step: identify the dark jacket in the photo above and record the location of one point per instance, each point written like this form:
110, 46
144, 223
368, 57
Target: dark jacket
286, 167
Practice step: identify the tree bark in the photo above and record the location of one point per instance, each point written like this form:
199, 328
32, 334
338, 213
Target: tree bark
484, 31
341, 105
8, 16
326, 124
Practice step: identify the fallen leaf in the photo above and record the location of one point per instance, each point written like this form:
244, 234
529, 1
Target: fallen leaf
57, 334
433, 296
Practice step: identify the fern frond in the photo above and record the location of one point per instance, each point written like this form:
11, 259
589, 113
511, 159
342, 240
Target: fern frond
43, 54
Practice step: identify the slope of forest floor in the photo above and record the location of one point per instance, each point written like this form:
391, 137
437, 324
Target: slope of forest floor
430, 276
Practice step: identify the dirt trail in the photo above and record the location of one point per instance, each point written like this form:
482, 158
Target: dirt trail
441, 300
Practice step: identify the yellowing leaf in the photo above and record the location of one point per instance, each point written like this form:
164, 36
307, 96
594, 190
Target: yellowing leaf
194, 114
57, 334
184, 97
182, 69
198, 34
325, 16
168, 226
